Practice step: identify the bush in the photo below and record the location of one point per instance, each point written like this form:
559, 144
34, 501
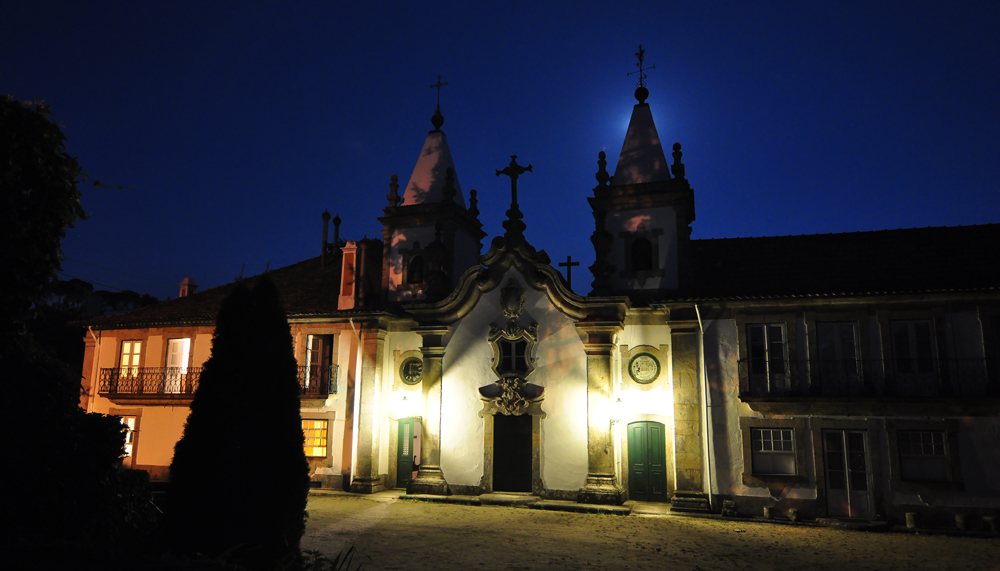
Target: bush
239, 477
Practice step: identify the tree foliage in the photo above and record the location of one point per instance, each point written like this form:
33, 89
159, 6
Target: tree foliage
239, 477
39, 199
65, 491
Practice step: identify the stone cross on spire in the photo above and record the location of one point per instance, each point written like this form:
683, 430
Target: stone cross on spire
513, 170
513, 225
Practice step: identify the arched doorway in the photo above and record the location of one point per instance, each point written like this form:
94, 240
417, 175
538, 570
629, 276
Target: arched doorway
647, 462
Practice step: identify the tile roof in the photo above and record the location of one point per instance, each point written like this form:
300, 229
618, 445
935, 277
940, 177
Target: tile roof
911, 260
917, 260
307, 288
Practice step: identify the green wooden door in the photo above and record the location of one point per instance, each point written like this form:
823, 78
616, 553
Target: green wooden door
647, 462
404, 453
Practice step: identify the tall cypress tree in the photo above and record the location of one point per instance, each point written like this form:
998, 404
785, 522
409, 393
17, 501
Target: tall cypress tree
239, 477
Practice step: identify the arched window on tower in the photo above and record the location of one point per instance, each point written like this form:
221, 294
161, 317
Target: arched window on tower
415, 270
642, 255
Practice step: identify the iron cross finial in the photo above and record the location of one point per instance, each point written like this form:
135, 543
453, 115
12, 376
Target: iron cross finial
439, 85
641, 54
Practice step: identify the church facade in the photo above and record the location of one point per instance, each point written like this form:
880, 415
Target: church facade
841, 375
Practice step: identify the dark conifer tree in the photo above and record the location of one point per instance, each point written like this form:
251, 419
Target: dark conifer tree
239, 477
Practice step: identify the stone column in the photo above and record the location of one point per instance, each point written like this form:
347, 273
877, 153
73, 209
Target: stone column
367, 478
602, 485
689, 453
430, 478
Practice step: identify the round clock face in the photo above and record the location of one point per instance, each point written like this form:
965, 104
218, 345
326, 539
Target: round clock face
411, 371
644, 368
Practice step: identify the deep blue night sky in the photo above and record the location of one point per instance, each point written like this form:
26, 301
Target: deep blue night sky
233, 125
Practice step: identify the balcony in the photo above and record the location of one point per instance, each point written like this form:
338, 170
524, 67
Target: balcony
179, 383
132, 383
901, 379
318, 381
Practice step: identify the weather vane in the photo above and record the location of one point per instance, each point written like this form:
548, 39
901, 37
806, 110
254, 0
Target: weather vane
641, 54
439, 85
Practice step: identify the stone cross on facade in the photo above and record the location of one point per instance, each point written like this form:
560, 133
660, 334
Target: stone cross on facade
569, 264
513, 225
513, 170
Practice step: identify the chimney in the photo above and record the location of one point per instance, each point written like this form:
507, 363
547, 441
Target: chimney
326, 230
187, 287
348, 277
336, 232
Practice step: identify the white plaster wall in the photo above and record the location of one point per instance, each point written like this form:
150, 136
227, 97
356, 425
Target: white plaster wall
965, 333
655, 398
664, 218
635, 335
721, 355
560, 367
965, 340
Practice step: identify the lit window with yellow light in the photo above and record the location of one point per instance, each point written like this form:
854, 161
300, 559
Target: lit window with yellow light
315, 433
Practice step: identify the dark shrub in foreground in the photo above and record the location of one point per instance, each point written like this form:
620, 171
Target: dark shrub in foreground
239, 477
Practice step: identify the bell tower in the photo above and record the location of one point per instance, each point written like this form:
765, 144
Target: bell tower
430, 237
642, 214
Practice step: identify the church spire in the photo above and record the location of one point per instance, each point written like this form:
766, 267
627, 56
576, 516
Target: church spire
434, 177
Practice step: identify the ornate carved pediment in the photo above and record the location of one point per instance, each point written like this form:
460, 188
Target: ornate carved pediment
512, 299
512, 396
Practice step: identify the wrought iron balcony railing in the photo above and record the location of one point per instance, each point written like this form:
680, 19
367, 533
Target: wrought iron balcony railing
318, 380
314, 381
905, 378
149, 381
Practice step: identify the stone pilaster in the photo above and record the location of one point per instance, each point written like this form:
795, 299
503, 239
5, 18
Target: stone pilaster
602, 485
689, 453
367, 478
430, 478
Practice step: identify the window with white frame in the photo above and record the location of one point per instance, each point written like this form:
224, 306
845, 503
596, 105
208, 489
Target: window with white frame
772, 451
131, 353
838, 366
923, 456
178, 353
914, 357
129, 423
315, 432
767, 358
913, 345
320, 374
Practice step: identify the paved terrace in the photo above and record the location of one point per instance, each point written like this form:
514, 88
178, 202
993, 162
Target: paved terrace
496, 532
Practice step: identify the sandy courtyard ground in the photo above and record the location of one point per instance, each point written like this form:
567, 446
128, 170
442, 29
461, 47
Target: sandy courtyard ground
396, 534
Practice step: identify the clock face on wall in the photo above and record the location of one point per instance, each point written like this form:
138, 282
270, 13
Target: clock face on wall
644, 368
411, 371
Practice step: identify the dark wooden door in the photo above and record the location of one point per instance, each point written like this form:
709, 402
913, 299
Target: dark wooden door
405, 450
511, 453
647, 462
